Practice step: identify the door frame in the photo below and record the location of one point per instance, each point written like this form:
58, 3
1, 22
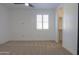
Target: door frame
78, 33
60, 14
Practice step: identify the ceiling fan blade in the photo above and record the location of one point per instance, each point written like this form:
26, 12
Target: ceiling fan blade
31, 5
24, 3
18, 3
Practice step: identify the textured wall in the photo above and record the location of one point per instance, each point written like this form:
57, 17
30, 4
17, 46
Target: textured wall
24, 24
4, 25
70, 27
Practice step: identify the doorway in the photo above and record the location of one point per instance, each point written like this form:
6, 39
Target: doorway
60, 22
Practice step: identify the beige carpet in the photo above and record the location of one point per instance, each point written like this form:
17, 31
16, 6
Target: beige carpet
32, 48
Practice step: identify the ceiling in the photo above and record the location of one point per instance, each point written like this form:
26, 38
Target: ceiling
36, 5
45, 5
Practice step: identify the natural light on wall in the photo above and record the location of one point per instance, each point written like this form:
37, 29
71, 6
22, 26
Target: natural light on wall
42, 21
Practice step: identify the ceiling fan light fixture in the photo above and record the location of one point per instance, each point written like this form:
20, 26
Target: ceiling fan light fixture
26, 4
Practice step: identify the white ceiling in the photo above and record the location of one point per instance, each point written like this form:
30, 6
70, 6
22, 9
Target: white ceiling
45, 5
36, 5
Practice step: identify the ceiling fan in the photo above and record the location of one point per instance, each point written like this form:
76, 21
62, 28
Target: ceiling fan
26, 4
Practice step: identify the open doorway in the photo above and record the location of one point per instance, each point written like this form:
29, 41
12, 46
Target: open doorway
60, 22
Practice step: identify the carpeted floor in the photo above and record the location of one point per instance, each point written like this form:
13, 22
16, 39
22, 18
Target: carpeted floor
32, 48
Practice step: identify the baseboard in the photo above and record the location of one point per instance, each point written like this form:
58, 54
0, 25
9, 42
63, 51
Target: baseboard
29, 40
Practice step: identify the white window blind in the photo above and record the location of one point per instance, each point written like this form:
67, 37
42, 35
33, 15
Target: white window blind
39, 21
45, 21
42, 21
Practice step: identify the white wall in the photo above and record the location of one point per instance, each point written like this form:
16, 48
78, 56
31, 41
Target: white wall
4, 25
70, 26
24, 24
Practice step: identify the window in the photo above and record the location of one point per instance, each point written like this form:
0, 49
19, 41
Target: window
39, 21
42, 21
